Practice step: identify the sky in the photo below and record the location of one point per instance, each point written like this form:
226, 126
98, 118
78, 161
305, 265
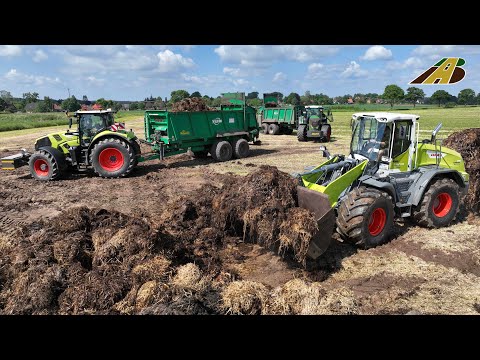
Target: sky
134, 72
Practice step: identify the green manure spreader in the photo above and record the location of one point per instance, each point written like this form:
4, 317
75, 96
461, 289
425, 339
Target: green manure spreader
101, 144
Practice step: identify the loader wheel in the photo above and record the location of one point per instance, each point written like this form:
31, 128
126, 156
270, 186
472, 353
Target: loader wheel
265, 128
439, 205
327, 131
113, 158
221, 151
302, 133
365, 217
273, 129
43, 166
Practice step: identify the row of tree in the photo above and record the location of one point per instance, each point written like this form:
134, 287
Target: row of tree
393, 94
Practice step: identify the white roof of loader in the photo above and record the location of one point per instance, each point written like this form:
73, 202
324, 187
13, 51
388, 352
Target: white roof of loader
387, 116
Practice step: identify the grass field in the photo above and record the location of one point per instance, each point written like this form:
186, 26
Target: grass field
10, 122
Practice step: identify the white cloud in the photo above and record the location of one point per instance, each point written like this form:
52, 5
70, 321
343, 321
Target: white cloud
171, 62
240, 82
377, 52
433, 50
279, 77
39, 55
10, 50
37, 80
409, 63
353, 70
265, 55
315, 70
231, 71
93, 81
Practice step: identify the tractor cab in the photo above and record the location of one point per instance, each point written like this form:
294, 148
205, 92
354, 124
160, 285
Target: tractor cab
386, 138
92, 122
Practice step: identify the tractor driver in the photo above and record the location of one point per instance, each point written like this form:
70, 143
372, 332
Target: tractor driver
384, 143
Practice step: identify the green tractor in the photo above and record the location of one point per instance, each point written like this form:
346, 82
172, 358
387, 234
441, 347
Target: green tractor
314, 124
98, 143
388, 174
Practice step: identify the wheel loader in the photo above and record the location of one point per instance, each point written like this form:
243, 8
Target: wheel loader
389, 173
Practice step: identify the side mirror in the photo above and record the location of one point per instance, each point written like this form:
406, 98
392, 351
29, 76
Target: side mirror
435, 132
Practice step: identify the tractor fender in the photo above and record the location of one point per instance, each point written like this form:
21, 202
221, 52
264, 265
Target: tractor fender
57, 155
381, 185
426, 178
131, 141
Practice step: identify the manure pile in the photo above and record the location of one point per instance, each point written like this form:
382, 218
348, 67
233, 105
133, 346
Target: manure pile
98, 261
467, 143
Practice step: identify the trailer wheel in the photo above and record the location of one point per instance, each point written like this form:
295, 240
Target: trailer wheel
439, 205
302, 133
113, 158
326, 131
43, 166
265, 128
365, 217
273, 129
241, 149
221, 151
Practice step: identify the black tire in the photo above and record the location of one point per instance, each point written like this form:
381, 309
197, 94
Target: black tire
327, 131
273, 129
265, 128
302, 133
221, 151
113, 158
440, 204
43, 166
241, 149
200, 154
365, 217
287, 131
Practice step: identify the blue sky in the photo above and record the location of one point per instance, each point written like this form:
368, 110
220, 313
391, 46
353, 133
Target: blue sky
133, 72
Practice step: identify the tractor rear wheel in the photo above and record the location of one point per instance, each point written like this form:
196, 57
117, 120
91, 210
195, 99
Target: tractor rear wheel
241, 149
113, 158
439, 205
273, 129
302, 133
365, 217
43, 166
221, 151
326, 131
265, 128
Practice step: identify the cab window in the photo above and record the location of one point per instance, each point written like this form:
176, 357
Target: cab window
401, 137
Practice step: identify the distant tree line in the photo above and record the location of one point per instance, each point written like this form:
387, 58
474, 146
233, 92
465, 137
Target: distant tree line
392, 94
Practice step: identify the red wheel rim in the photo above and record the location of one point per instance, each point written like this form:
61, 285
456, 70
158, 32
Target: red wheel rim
40, 166
377, 221
111, 159
442, 205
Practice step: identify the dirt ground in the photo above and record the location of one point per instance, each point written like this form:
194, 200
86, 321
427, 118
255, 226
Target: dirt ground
139, 245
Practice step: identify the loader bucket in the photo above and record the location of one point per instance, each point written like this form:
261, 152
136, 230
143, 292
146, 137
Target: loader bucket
319, 204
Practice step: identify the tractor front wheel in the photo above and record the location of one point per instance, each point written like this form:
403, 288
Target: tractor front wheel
113, 158
439, 205
365, 217
302, 133
43, 166
326, 131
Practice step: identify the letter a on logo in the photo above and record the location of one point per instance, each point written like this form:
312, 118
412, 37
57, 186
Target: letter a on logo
446, 71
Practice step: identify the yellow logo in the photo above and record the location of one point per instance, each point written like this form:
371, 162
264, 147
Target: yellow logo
446, 71
184, 132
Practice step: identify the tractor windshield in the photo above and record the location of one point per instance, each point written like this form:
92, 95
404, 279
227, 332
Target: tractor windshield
368, 137
93, 123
